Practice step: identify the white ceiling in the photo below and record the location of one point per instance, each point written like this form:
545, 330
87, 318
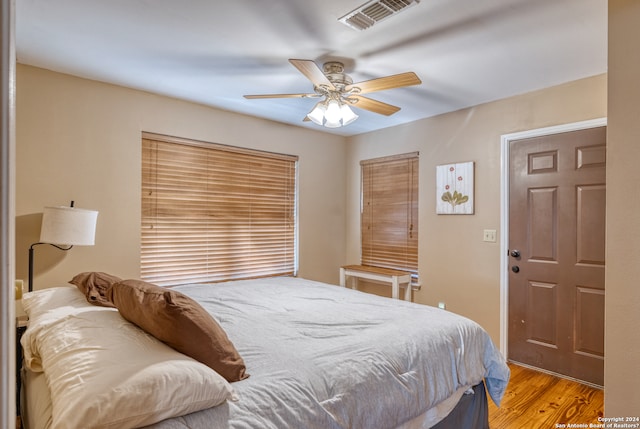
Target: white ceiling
466, 52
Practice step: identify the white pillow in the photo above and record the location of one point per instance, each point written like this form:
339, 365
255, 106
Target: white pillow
49, 306
104, 372
53, 302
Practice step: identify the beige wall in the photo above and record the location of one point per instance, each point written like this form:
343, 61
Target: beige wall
455, 265
622, 335
80, 139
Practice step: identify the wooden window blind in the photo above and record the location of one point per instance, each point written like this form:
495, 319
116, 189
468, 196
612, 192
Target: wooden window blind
389, 212
213, 212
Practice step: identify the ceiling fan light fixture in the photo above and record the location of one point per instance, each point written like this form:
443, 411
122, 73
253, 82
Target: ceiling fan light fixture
332, 113
339, 92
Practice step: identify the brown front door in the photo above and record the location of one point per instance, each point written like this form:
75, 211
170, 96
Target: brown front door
556, 253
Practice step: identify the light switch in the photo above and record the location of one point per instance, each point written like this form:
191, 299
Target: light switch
490, 235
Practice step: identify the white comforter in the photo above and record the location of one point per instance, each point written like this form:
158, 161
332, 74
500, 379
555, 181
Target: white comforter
323, 356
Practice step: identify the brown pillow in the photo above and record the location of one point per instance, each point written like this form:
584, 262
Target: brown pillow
179, 322
94, 286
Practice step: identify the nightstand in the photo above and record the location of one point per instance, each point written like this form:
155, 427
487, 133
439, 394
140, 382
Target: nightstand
21, 326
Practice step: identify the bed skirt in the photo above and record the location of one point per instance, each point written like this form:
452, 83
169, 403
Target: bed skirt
471, 412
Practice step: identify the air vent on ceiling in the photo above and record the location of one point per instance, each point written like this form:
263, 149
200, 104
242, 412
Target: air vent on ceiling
375, 11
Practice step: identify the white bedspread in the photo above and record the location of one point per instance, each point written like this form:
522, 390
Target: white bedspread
322, 356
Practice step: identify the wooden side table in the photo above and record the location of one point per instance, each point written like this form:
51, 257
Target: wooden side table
388, 275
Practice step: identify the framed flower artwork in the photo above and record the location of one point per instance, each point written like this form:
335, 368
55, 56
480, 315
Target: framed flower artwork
454, 188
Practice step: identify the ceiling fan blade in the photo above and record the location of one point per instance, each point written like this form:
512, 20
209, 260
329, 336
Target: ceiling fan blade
389, 82
312, 72
372, 105
281, 96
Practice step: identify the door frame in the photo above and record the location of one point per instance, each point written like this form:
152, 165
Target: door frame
505, 139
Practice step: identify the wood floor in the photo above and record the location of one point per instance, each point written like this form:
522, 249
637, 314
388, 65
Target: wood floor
537, 400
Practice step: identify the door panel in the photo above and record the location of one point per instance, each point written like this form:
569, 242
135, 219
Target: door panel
590, 224
542, 216
542, 314
590, 322
557, 196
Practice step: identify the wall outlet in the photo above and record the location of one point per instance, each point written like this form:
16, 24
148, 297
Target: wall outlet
489, 235
441, 305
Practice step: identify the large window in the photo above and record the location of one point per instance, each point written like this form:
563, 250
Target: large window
213, 212
389, 212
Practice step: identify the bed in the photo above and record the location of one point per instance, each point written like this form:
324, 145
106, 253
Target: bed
316, 356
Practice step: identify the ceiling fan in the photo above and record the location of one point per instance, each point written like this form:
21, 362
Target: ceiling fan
339, 92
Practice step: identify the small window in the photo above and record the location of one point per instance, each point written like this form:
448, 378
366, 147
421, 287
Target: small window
389, 212
212, 212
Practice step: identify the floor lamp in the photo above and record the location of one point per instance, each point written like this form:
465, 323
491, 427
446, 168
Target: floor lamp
63, 228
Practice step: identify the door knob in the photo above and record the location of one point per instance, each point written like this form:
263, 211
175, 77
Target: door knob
515, 269
515, 253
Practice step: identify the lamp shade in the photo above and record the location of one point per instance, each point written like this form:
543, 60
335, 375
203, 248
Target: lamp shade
68, 226
333, 113
317, 114
347, 115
